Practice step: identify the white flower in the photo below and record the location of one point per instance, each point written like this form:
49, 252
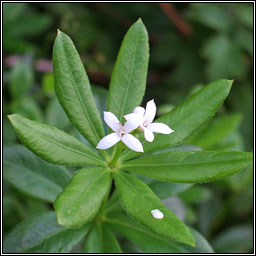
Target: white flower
121, 132
146, 118
157, 214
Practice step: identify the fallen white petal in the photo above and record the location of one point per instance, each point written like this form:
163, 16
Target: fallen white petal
148, 134
150, 112
139, 110
133, 122
108, 141
132, 142
157, 214
112, 121
160, 128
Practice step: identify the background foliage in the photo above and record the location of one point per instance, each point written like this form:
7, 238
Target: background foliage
203, 43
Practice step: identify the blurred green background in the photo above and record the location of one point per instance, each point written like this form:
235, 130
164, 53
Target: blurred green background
191, 44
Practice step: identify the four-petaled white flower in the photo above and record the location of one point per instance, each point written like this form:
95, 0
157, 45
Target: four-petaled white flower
121, 132
146, 118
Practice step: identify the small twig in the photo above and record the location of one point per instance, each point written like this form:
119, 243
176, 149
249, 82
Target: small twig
177, 20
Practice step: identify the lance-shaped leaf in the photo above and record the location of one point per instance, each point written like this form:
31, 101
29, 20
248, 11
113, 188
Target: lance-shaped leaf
42, 234
52, 144
150, 242
32, 175
128, 80
186, 118
73, 89
138, 200
190, 166
101, 240
81, 199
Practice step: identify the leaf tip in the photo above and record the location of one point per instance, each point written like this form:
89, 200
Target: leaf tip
139, 20
58, 31
11, 116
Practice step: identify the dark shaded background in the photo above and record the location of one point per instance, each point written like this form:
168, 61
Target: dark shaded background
191, 44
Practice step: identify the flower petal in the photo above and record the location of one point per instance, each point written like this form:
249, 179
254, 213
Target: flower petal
133, 122
132, 142
139, 110
150, 112
160, 128
134, 115
108, 141
148, 134
112, 121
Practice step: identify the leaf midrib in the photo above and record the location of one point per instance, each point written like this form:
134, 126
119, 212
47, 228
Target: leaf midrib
142, 231
43, 239
129, 77
62, 145
78, 94
132, 188
175, 164
88, 187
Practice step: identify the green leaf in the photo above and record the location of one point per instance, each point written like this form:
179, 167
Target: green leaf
101, 240
73, 89
32, 175
82, 198
138, 200
94, 242
187, 118
110, 243
216, 131
52, 144
42, 234
189, 166
128, 80
21, 79
150, 242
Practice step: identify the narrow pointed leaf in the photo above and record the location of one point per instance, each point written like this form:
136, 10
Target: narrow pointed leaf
128, 80
150, 242
42, 234
101, 240
52, 144
187, 118
81, 199
32, 175
110, 243
94, 241
190, 166
73, 89
138, 200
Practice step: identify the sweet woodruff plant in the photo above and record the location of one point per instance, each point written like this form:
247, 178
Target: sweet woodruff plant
111, 163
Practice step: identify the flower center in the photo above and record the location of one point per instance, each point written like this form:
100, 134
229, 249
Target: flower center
121, 132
